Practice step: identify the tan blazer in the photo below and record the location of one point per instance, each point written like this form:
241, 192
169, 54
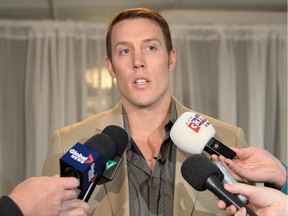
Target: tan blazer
112, 198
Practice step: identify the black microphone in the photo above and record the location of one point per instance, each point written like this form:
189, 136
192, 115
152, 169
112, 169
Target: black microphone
202, 174
85, 161
120, 136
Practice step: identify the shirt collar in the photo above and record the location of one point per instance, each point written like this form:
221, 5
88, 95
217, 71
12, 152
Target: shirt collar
168, 126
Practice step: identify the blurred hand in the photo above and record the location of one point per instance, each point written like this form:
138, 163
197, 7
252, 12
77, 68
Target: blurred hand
257, 165
263, 201
43, 196
74, 207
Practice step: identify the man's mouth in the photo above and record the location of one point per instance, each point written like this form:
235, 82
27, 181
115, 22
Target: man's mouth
141, 81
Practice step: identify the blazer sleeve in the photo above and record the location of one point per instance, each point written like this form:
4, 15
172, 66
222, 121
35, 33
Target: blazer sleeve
9, 207
241, 140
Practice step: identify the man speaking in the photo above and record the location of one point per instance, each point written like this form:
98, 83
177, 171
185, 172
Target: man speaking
140, 57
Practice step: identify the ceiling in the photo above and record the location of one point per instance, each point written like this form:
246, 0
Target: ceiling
101, 9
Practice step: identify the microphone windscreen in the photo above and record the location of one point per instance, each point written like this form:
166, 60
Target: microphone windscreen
196, 169
191, 132
103, 145
120, 137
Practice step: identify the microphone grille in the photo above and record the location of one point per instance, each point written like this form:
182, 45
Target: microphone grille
196, 169
102, 144
120, 137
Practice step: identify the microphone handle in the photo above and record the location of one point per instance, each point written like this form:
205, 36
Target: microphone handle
86, 194
229, 179
215, 186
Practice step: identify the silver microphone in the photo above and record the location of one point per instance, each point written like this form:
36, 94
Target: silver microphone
229, 179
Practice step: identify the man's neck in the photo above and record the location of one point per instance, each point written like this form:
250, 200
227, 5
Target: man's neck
146, 127
148, 119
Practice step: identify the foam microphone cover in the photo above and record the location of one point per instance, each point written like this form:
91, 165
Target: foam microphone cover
191, 132
102, 144
197, 168
120, 137
202, 174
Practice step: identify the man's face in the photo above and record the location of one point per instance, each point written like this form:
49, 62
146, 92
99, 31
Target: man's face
140, 62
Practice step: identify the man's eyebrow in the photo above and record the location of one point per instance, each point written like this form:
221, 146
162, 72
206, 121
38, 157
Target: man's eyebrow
145, 41
151, 40
121, 43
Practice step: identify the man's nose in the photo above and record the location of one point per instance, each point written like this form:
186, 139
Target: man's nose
139, 60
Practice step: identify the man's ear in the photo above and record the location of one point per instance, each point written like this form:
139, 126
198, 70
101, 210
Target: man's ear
172, 60
110, 67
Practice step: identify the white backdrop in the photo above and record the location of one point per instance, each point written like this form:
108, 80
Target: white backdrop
52, 75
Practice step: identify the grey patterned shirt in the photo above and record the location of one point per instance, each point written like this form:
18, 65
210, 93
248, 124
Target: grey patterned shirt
151, 192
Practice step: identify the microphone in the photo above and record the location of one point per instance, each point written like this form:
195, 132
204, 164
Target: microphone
229, 179
193, 133
161, 160
120, 139
202, 174
86, 161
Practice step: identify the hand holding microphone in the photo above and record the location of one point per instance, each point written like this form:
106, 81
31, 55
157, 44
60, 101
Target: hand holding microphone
263, 200
44, 195
193, 133
96, 161
202, 174
254, 164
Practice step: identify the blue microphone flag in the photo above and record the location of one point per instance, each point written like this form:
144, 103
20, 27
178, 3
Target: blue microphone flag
82, 163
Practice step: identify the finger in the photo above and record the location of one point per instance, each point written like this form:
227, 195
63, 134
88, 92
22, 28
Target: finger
232, 165
221, 205
241, 212
221, 158
245, 153
70, 194
70, 182
75, 207
83, 205
239, 188
77, 203
231, 210
74, 212
214, 158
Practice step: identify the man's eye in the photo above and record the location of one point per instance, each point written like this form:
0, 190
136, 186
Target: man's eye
125, 51
151, 48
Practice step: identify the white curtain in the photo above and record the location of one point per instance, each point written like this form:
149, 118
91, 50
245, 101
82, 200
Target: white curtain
52, 74
238, 74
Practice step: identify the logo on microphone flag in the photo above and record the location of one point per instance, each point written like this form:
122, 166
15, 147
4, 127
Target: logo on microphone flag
110, 163
83, 163
90, 159
197, 122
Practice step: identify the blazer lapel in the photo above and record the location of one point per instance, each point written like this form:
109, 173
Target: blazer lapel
117, 190
184, 194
